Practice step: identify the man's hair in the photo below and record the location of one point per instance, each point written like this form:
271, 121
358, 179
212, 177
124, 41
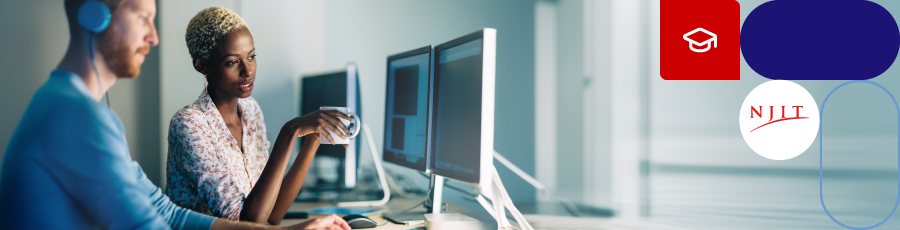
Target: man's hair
208, 27
72, 11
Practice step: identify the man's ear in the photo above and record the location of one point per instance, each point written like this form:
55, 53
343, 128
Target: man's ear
199, 66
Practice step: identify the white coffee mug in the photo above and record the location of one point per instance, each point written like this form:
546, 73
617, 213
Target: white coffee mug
353, 125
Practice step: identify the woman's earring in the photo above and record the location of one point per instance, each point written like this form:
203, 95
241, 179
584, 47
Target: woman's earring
205, 84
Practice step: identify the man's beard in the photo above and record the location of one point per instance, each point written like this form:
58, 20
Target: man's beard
118, 57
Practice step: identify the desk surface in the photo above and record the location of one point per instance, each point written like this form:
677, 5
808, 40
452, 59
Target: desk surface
397, 204
536, 221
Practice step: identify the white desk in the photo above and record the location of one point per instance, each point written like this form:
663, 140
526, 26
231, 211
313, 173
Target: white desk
536, 221
397, 204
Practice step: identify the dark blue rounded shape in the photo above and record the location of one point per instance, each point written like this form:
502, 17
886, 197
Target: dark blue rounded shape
820, 40
94, 16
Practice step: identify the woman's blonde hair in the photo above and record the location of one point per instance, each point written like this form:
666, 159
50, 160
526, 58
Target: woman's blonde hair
208, 27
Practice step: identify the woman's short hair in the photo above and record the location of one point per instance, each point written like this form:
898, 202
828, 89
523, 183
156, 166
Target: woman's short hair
208, 27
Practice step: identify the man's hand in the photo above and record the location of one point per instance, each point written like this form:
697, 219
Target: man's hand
332, 222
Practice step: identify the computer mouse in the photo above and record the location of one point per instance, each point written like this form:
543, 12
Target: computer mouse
357, 221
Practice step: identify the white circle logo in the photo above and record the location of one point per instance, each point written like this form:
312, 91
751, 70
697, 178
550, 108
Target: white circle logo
779, 119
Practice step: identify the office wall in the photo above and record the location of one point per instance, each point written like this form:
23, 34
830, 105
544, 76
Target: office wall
571, 79
290, 38
597, 103
627, 108
546, 28
36, 37
600, 103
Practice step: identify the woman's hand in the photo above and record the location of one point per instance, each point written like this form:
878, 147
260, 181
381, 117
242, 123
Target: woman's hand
332, 222
319, 122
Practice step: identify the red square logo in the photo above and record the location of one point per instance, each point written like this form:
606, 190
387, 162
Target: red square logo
700, 40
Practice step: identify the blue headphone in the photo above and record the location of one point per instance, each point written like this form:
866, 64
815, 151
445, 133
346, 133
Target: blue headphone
94, 16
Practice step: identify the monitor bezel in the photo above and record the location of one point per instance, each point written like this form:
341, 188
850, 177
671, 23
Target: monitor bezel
488, 78
415, 52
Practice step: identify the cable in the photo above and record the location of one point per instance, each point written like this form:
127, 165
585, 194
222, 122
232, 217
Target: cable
568, 205
414, 206
96, 70
397, 189
394, 183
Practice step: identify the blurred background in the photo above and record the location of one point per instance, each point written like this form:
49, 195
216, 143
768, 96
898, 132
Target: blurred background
579, 104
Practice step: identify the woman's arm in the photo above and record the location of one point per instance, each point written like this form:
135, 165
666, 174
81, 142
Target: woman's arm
259, 203
294, 179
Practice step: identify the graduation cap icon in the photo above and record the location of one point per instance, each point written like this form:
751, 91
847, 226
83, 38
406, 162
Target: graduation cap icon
711, 39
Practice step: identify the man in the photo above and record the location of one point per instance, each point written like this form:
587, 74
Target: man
68, 166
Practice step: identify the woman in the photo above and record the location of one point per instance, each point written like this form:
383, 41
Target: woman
218, 151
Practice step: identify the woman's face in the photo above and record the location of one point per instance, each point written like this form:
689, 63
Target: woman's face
231, 67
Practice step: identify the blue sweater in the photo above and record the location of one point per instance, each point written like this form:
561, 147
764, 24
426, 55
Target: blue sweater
68, 167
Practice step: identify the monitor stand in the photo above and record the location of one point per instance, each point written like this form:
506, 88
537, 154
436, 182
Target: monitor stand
497, 209
409, 218
381, 176
431, 204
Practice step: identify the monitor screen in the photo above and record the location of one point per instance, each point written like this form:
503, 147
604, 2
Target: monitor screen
324, 90
457, 111
406, 109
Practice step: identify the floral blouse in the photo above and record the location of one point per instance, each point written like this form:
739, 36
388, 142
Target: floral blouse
206, 170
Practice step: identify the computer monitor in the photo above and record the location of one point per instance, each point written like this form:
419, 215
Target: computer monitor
406, 108
463, 108
336, 88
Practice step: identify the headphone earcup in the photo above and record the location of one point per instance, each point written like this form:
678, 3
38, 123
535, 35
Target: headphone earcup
94, 16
